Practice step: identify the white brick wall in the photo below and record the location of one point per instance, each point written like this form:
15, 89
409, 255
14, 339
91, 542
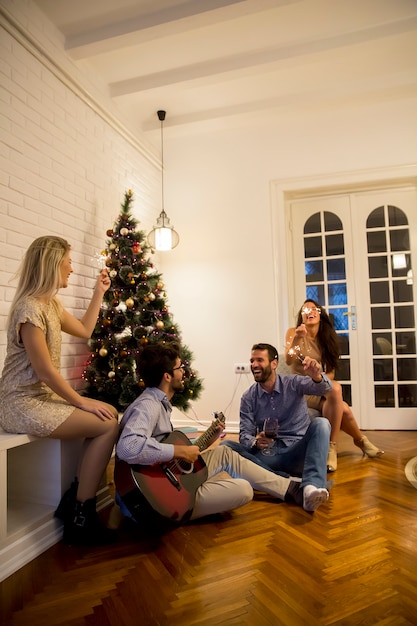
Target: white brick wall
66, 162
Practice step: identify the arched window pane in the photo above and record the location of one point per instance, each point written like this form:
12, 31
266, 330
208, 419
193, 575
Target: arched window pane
332, 222
376, 219
312, 225
396, 216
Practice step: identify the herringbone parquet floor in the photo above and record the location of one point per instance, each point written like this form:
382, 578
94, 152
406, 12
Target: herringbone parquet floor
353, 562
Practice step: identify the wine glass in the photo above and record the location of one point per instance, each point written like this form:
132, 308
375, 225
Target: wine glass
271, 432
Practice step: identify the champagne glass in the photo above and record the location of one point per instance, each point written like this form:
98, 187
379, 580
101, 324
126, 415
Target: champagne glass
271, 432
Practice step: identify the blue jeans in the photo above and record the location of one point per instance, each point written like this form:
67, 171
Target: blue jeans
306, 458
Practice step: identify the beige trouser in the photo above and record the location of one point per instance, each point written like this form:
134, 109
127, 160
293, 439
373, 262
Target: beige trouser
224, 494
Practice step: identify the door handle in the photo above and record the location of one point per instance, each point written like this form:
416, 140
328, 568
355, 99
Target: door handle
352, 315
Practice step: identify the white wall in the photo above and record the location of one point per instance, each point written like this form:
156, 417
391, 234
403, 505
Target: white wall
66, 162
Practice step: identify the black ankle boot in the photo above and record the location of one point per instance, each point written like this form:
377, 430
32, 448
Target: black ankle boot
85, 528
66, 506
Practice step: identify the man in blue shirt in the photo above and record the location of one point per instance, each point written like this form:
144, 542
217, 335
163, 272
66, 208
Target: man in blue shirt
146, 423
301, 446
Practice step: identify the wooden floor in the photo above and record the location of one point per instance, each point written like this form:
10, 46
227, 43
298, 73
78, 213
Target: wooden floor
352, 562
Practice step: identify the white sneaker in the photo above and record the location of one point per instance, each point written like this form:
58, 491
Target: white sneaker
313, 497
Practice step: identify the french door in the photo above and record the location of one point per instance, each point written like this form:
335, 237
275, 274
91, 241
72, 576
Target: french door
354, 253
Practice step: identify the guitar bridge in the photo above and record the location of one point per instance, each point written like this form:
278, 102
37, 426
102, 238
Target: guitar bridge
172, 478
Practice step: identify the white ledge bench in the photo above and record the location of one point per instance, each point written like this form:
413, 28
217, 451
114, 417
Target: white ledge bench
34, 472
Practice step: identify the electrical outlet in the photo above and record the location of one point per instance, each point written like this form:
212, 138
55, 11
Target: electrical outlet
242, 368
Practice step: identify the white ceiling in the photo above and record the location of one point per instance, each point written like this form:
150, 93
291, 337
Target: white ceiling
213, 63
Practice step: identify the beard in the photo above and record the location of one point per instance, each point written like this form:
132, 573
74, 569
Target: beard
262, 375
178, 386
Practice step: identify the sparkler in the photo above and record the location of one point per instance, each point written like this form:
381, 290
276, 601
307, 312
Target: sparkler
100, 259
296, 352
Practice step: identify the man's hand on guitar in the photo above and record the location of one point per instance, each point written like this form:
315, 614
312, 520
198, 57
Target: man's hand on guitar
186, 453
218, 429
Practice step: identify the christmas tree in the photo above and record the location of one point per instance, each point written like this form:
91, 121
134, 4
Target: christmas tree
134, 313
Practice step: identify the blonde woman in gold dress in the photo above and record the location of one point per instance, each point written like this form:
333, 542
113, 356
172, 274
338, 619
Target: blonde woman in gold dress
314, 336
37, 400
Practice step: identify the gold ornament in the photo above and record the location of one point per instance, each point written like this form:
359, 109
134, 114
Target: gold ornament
159, 324
103, 352
124, 231
130, 303
111, 374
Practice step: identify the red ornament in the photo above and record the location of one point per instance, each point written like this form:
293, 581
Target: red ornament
109, 233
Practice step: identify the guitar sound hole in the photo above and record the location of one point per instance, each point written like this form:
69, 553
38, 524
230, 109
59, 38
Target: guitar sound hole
185, 467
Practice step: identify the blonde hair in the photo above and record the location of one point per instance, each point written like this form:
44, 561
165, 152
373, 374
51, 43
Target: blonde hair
39, 273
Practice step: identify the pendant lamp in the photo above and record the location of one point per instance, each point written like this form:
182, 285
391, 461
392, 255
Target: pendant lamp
163, 236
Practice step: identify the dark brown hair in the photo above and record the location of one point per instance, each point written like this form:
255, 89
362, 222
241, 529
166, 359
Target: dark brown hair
155, 360
272, 352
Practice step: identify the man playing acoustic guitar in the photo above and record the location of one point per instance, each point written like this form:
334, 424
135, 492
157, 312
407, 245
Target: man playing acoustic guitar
162, 468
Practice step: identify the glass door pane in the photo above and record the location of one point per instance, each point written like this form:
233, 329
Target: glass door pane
392, 309
325, 275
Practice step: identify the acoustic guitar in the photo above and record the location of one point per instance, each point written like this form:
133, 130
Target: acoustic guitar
168, 488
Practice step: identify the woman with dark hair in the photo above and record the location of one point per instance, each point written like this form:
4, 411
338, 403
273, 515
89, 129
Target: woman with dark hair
314, 336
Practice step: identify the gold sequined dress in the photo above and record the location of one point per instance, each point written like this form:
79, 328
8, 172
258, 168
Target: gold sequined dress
27, 405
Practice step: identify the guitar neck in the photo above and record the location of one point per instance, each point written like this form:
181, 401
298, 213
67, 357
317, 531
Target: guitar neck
204, 439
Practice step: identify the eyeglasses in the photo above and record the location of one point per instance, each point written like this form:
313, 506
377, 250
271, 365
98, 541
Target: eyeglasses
312, 309
180, 367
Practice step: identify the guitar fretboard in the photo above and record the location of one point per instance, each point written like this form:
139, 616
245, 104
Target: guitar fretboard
203, 440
